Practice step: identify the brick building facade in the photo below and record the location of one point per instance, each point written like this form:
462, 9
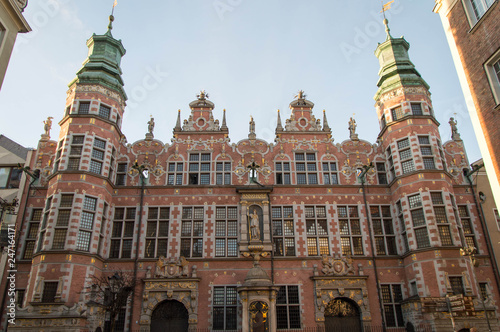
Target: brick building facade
253, 235
473, 32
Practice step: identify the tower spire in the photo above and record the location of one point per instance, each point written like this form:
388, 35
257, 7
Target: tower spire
279, 126
111, 18
178, 124
224, 125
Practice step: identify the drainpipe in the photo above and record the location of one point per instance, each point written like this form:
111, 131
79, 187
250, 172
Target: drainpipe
362, 177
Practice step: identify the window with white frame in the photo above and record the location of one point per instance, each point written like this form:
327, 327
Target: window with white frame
418, 219
98, 152
62, 222
59, 151
223, 172
224, 308
33, 226
402, 225
122, 232
392, 171
199, 168
283, 231
426, 151
226, 232
475, 9
288, 308
75, 152
43, 225
492, 69
306, 169
282, 171
330, 173
397, 113
383, 229
381, 173
192, 231
405, 156
467, 226
416, 108
175, 170
86, 223
84, 107
157, 232
351, 238
317, 231
441, 218
121, 174
104, 111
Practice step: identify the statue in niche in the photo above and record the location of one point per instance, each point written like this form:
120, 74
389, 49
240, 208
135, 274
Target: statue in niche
254, 226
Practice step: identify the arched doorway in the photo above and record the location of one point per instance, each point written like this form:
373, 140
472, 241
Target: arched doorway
410, 327
259, 321
342, 315
170, 316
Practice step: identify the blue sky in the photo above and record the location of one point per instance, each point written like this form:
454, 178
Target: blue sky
251, 56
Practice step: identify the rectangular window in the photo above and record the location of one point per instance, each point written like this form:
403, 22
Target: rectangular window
483, 289
157, 232
122, 233
63, 218
317, 231
477, 8
397, 113
441, 218
392, 297
199, 168
282, 170
330, 173
283, 231
381, 173
391, 163
383, 230
223, 173
175, 171
467, 226
418, 219
405, 156
288, 307
224, 308
98, 152
104, 111
497, 217
49, 291
416, 108
457, 285
402, 224
75, 152
305, 166
426, 151
84, 107
20, 297
10, 177
112, 163
121, 174
351, 238
43, 224
86, 223
33, 227
192, 232
226, 232
441, 154
57, 161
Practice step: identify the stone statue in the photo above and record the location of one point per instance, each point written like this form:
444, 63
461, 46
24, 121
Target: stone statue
151, 125
254, 226
454, 130
352, 129
252, 125
47, 125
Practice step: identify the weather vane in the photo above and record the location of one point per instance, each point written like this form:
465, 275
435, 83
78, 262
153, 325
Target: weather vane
386, 7
114, 5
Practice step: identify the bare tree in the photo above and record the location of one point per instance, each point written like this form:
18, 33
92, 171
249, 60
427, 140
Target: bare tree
111, 293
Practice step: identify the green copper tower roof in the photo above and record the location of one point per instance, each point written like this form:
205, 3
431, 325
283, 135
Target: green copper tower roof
396, 69
102, 65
